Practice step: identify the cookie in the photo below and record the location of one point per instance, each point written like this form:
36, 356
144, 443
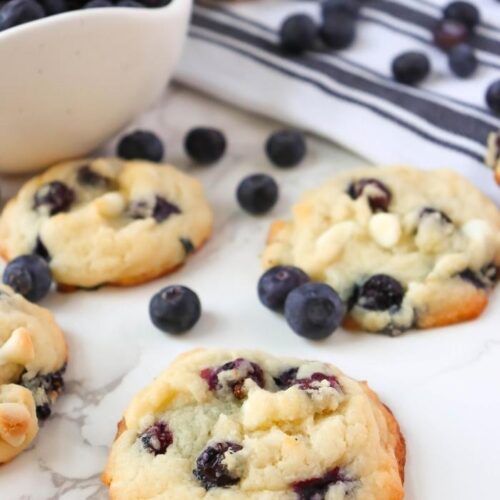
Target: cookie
404, 248
32, 361
493, 154
107, 221
246, 425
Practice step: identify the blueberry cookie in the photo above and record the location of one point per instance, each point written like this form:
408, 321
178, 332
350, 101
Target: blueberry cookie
107, 221
246, 425
32, 360
493, 154
404, 248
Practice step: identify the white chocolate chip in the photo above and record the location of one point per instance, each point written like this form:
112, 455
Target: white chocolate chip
14, 423
449, 265
330, 245
18, 348
385, 229
110, 204
482, 244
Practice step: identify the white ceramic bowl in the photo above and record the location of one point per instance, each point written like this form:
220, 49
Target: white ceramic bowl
71, 81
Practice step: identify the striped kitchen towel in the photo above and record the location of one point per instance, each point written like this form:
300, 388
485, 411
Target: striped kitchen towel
348, 96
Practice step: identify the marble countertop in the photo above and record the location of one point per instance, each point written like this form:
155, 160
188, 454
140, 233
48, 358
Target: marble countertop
441, 384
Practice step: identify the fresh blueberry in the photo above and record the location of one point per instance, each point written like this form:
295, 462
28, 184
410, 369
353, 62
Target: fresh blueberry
157, 438
381, 293
286, 148
88, 177
52, 7
427, 211
317, 488
298, 33
129, 3
276, 283
175, 309
56, 197
379, 196
338, 32
18, 12
493, 96
211, 471
235, 373
411, 67
331, 8
449, 33
463, 12
314, 310
463, 61
28, 275
257, 193
141, 145
97, 4
205, 145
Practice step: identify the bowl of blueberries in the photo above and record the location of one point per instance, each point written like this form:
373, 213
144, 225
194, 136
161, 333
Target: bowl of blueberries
77, 71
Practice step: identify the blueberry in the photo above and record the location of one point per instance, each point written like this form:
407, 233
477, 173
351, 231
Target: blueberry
257, 193
411, 67
289, 378
462, 60
493, 96
187, 245
41, 250
205, 145
56, 197
317, 488
338, 32
276, 283
141, 145
52, 7
28, 275
298, 33
463, 12
483, 278
211, 471
97, 4
286, 148
381, 293
379, 196
88, 177
157, 438
449, 33
235, 373
175, 309
43, 411
163, 209
129, 3
314, 310
18, 12
331, 8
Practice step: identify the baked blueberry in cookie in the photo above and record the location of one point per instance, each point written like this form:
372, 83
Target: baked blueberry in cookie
107, 221
402, 247
300, 430
32, 362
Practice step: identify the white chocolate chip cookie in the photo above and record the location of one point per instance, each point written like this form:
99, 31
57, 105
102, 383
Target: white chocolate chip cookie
245, 425
107, 221
32, 360
402, 247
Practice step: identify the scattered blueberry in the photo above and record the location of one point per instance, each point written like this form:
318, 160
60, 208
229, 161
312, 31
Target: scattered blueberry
286, 148
433, 211
381, 293
338, 32
97, 4
449, 33
463, 12
211, 470
379, 201
56, 197
18, 12
330, 8
317, 488
276, 283
298, 33
28, 275
463, 61
54, 6
257, 193
88, 177
175, 309
205, 145
240, 369
493, 96
314, 310
411, 67
141, 145
157, 438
